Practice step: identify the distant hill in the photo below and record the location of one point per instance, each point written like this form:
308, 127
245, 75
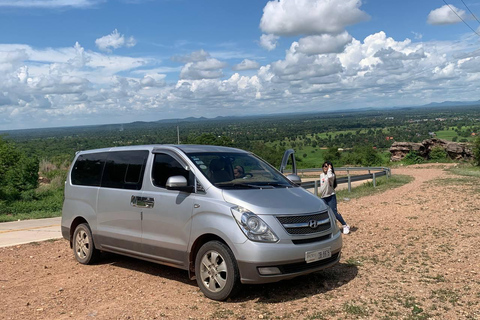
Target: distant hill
452, 104
54, 131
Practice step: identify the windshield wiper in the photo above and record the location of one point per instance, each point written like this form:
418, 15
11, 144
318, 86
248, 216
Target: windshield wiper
277, 184
238, 186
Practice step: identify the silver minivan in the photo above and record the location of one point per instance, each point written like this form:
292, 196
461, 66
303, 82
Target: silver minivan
223, 214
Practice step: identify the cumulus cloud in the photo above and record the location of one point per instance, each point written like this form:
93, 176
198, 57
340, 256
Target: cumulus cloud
12, 59
153, 80
113, 41
268, 41
207, 69
310, 17
448, 14
324, 43
68, 86
246, 64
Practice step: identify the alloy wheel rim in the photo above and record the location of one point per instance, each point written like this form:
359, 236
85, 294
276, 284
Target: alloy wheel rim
82, 244
213, 271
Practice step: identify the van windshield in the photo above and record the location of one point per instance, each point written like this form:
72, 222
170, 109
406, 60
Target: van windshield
238, 171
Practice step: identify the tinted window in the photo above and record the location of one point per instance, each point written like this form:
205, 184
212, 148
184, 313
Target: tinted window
87, 170
124, 169
164, 167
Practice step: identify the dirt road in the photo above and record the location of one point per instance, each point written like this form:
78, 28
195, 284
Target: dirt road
413, 254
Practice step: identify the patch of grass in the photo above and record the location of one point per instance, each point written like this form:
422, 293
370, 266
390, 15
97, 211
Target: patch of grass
316, 316
466, 170
356, 310
42, 203
30, 215
445, 295
354, 262
222, 314
367, 188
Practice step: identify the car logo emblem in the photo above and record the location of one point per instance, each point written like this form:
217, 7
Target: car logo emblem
313, 224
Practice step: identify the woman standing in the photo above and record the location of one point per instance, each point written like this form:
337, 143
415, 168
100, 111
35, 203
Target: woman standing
328, 183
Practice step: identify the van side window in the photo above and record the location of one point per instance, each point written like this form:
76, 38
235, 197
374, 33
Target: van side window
87, 170
125, 169
164, 167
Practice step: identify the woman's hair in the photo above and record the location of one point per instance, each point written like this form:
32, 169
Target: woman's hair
333, 171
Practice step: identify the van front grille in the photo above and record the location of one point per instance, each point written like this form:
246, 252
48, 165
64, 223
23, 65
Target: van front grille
312, 240
306, 224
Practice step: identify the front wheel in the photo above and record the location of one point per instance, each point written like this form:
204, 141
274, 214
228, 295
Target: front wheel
83, 246
216, 271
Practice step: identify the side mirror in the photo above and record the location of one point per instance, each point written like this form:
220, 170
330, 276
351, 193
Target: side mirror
178, 183
294, 178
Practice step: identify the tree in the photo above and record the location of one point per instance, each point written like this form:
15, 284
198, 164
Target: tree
18, 172
210, 139
332, 154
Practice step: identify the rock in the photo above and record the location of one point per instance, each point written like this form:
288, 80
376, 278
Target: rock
399, 150
454, 150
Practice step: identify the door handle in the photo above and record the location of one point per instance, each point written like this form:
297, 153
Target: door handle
142, 202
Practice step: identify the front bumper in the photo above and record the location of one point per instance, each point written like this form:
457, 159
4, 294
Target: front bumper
250, 274
287, 257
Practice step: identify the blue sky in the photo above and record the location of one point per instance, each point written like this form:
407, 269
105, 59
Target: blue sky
81, 62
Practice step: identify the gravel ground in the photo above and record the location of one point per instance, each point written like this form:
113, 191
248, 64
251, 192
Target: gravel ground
413, 254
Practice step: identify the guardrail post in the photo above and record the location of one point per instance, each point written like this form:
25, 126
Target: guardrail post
349, 181
316, 188
374, 181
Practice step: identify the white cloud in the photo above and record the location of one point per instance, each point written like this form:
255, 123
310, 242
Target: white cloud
114, 40
71, 86
445, 15
310, 17
153, 80
324, 43
49, 3
207, 69
268, 41
246, 64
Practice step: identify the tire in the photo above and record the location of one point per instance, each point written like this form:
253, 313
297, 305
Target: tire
216, 271
83, 246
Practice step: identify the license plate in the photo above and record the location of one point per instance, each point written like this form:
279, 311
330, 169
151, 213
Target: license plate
312, 256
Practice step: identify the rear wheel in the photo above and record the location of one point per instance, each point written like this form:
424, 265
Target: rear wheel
216, 271
83, 246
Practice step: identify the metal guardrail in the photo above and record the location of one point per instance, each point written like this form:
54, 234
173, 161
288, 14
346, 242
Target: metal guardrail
373, 173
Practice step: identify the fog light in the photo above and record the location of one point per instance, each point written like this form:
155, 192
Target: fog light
269, 270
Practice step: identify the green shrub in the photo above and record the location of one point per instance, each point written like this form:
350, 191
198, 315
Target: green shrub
48, 201
438, 154
413, 158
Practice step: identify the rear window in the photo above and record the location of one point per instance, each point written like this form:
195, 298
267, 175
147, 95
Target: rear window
119, 170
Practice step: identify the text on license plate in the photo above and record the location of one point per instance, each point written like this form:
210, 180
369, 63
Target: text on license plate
311, 256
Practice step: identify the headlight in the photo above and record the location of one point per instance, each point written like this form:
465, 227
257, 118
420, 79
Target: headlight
253, 226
